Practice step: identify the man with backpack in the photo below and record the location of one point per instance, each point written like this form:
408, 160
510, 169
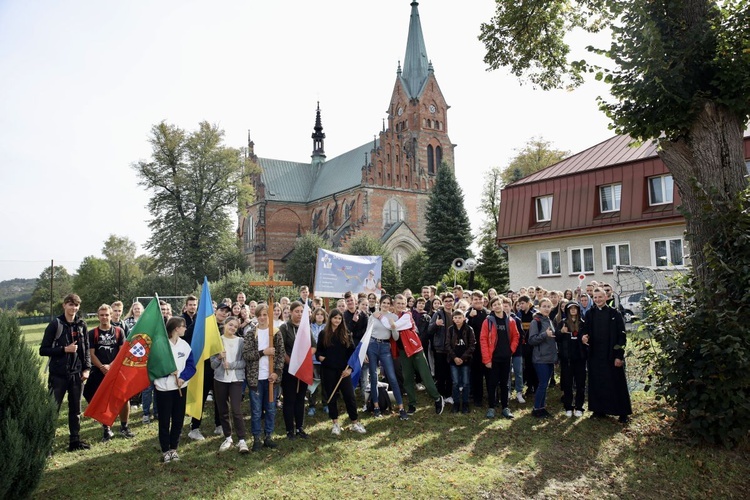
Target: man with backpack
66, 343
104, 343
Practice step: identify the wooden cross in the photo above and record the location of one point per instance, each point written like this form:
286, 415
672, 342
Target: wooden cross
270, 283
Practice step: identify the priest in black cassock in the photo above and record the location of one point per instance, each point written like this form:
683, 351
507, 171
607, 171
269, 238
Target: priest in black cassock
604, 332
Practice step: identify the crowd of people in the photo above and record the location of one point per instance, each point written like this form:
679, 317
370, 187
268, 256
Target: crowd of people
458, 346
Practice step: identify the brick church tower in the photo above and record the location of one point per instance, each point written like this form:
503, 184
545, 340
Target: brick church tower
380, 188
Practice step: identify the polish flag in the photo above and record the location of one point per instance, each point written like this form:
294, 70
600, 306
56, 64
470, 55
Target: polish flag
300, 361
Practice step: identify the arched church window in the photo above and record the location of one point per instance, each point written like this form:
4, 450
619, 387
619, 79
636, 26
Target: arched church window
249, 233
430, 160
347, 209
393, 212
438, 156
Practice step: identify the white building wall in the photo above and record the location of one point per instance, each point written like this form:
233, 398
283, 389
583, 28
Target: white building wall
522, 257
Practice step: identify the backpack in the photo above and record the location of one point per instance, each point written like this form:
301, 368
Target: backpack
384, 399
118, 334
58, 334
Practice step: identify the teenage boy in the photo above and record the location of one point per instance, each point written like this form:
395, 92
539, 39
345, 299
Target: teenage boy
191, 308
499, 339
526, 315
475, 317
116, 320
517, 358
304, 296
66, 344
441, 321
104, 343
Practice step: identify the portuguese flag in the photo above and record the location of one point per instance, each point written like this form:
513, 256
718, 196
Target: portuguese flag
144, 356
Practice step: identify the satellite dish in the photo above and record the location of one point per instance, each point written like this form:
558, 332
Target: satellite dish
470, 264
458, 264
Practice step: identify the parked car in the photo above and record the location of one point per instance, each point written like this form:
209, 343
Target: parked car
631, 307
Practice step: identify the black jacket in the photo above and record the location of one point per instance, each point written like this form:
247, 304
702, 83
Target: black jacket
62, 364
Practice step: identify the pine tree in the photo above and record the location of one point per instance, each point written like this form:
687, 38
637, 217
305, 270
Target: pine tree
493, 266
412, 270
448, 228
27, 414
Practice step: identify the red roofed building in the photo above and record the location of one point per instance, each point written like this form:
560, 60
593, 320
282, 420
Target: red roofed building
611, 204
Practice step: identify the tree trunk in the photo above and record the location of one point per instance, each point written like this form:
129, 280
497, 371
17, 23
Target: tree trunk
707, 164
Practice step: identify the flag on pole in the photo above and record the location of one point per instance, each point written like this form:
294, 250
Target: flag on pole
300, 361
357, 359
144, 356
206, 342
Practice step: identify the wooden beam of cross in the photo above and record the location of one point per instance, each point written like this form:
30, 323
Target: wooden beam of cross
270, 283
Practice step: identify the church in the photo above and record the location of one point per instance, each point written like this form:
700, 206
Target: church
380, 188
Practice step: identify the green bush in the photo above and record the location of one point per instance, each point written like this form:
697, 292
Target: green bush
27, 414
698, 341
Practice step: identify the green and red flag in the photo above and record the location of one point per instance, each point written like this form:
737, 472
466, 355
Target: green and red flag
144, 356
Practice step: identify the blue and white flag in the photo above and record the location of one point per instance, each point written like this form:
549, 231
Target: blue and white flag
357, 358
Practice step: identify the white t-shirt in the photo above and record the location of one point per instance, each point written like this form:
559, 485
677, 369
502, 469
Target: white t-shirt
230, 347
263, 372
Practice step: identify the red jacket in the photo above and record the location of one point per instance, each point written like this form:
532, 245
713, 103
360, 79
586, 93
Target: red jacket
488, 337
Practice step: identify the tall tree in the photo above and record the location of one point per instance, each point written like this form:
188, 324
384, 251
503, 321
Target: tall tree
535, 155
300, 268
120, 254
448, 228
62, 284
493, 265
367, 245
196, 182
94, 282
681, 76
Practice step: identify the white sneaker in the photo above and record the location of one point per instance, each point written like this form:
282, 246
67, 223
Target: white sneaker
420, 387
569, 413
146, 419
167, 457
210, 396
519, 397
363, 409
226, 444
578, 413
336, 431
196, 434
449, 400
243, 446
218, 430
357, 427
175, 456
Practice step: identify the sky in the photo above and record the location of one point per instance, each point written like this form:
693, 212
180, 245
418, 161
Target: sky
83, 81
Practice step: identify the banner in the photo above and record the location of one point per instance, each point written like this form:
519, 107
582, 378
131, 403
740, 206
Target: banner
336, 274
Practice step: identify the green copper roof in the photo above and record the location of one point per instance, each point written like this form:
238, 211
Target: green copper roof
416, 65
302, 182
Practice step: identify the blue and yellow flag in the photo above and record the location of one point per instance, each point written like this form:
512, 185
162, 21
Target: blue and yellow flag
206, 342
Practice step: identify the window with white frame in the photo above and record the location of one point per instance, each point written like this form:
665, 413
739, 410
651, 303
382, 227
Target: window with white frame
609, 198
543, 208
615, 254
392, 212
581, 260
660, 190
548, 262
667, 252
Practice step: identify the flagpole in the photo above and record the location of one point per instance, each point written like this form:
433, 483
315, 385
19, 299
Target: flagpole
177, 381
337, 384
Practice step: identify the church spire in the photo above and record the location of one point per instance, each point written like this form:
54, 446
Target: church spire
416, 64
318, 154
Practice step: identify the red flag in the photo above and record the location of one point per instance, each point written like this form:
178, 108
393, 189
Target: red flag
146, 351
300, 361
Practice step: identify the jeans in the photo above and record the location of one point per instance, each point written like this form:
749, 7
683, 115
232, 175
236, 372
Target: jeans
260, 406
381, 351
517, 363
544, 372
147, 397
461, 376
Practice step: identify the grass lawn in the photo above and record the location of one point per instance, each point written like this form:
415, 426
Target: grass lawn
453, 456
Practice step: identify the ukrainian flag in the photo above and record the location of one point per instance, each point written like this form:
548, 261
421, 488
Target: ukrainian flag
206, 342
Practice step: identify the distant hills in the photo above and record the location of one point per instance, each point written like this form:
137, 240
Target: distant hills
14, 291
